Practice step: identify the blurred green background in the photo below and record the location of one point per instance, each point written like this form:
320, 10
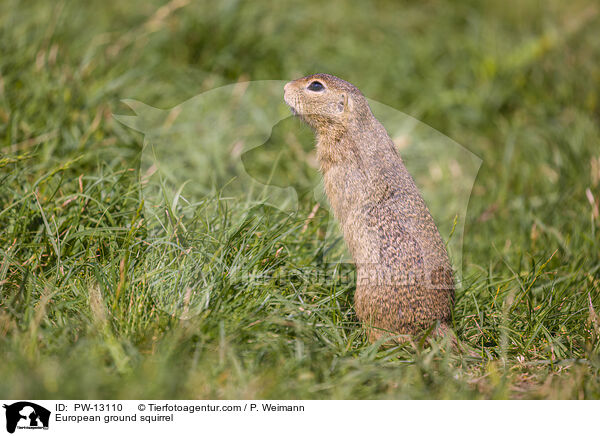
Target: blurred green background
516, 82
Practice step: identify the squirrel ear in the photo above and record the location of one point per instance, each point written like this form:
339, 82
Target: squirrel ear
345, 104
348, 103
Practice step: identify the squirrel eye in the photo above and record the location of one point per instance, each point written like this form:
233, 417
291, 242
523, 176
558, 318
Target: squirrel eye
315, 86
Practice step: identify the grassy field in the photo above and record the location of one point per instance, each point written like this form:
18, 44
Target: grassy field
515, 82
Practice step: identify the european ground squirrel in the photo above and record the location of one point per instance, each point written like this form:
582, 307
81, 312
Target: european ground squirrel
404, 277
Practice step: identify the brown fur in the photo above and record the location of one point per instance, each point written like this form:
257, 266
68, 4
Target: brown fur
404, 278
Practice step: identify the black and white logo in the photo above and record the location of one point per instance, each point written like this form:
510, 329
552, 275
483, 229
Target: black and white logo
26, 415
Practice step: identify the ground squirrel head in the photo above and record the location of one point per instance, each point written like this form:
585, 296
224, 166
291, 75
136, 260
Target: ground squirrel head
325, 102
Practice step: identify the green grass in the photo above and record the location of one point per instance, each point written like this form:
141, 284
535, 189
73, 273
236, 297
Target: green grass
515, 83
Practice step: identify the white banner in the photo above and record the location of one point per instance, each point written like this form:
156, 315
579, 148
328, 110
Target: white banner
367, 418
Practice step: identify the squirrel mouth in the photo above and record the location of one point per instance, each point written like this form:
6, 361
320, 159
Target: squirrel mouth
291, 104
